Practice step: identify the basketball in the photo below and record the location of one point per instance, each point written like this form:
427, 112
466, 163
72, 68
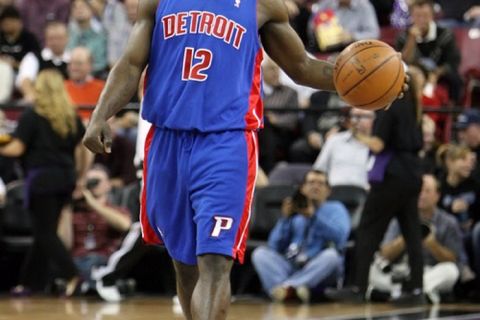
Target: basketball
369, 74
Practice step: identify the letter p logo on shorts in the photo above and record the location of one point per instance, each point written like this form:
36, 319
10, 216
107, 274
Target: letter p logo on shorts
221, 223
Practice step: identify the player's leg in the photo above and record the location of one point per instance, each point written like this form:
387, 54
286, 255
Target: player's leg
187, 277
211, 297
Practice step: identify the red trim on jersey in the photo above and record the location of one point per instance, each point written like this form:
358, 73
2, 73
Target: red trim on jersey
242, 232
148, 234
254, 116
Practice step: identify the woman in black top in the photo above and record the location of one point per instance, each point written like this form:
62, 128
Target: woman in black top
46, 139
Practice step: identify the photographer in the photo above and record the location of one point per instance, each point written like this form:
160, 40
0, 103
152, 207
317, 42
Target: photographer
94, 228
305, 247
443, 250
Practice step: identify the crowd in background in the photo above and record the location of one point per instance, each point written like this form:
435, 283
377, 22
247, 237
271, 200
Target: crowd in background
336, 146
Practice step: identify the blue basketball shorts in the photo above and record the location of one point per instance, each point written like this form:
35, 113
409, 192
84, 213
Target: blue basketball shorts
197, 192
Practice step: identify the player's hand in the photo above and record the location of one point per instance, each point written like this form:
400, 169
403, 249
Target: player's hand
98, 137
405, 88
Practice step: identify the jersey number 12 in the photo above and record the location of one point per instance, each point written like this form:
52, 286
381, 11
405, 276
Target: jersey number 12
195, 62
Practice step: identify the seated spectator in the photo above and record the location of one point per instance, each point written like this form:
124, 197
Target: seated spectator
430, 146
117, 36
459, 192
468, 126
94, 229
278, 133
38, 13
337, 23
52, 56
345, 160
432, 48
85, 33
15, 40
442, 249
305, 247
82, 87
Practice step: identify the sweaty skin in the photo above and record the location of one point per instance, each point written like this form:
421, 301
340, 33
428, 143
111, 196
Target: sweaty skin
203, 290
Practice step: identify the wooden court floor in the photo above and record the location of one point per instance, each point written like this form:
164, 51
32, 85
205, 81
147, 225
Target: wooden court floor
161, 308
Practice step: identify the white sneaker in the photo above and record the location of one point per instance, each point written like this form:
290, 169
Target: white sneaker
303, 293
109, 294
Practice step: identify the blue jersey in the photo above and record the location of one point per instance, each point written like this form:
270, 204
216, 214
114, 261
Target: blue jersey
204, 67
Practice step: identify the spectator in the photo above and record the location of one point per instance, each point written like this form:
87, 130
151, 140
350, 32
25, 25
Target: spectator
460, 196
468, 125
395, 180
46, 138
54, 56
15, 40
430, 146
118, 36
305, 248
356, 21
94, 229
82, 87
38, 13
432, 48
85, 33
278, 133
441, 243
459, 192
344, 158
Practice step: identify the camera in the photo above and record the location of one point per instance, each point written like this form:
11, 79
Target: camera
300, 201
426, 229
92, 183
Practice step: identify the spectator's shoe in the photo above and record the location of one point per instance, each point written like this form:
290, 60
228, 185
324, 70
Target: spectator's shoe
20, 292
303, 293
414, 298
281, 293
348, 294
110, 293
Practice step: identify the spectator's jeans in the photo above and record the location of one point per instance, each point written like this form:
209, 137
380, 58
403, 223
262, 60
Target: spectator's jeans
274, 270
86, 263
439, 278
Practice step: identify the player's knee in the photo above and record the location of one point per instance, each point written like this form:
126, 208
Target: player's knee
214, 265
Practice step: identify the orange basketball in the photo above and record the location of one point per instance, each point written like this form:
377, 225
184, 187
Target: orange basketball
369, 74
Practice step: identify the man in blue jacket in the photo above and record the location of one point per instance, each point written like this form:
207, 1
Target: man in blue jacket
305, 247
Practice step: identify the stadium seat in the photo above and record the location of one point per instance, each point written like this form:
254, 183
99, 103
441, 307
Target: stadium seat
267, 209
288, 173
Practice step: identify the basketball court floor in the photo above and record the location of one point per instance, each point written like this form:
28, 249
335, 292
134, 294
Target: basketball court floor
161, 308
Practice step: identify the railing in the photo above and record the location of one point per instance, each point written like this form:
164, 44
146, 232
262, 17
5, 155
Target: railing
14, 109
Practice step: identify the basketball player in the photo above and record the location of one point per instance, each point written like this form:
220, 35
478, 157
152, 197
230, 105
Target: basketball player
203, 97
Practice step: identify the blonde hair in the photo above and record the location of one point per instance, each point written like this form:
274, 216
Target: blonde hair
451, 152
52, 102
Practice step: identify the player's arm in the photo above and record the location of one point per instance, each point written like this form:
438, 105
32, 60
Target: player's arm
285, 47
123, 79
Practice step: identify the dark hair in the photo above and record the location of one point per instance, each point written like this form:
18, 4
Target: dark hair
10, 12
421, 3
315, 171
101, 167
